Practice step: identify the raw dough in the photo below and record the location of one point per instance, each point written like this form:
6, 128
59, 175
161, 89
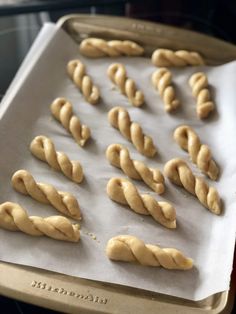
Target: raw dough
62, 110
200, 154
124, 192
180, 174
97, 48
77, 72
43, 148
179, 58
128, 248
117, 74
13, 217
119, 156
119, 118
64, 202
199, 84
161, 80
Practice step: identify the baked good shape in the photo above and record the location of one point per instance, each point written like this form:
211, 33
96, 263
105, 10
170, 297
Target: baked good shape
200, 90
179, 173
14, 217
179, 58
64, 202
118, 156
124, 192
128, 248
161, 80
119, 118
77, 72
62, 110
43, 148
200, 153
97, 48
117, 74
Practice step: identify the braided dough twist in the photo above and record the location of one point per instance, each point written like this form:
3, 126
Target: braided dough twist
64, 202
62, 110
117, 74
199, 84
96, 48
77, 72
119, 156
128, 248
119, 118
200, 154
180, 58
13, 217
180, 174
43, 148
124, 192
161, 80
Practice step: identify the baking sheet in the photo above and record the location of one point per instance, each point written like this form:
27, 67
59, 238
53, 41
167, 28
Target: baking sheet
25, 113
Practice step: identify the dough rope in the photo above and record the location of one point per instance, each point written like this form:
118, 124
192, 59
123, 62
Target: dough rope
117, 74
128, 248
64, 202
200, 154
199, 84
119, 156
43, 148
124, 192
13, 217
179, 58
180, 174
77, 72
62, 110
161, 80
119, 118
96, 48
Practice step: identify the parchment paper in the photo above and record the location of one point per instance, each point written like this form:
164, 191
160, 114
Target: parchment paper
25, 113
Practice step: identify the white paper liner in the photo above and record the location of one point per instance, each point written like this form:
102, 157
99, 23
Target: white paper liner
25, 113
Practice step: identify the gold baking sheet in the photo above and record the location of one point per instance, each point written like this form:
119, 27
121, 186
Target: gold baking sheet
149, 35
74, 295
70, 294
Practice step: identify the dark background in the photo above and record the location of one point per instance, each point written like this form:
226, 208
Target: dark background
21, 21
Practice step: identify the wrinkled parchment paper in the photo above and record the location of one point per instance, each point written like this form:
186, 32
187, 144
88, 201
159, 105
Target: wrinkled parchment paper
25, 113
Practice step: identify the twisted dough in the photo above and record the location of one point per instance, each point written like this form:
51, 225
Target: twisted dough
180, 58
43, 148
62, 110
119, 118
77, 72
96, 48
64, 202
119, 156
128, 248
199, 84
13, 217
124, 192
200, 154
117, 74
180, 174
161, 80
